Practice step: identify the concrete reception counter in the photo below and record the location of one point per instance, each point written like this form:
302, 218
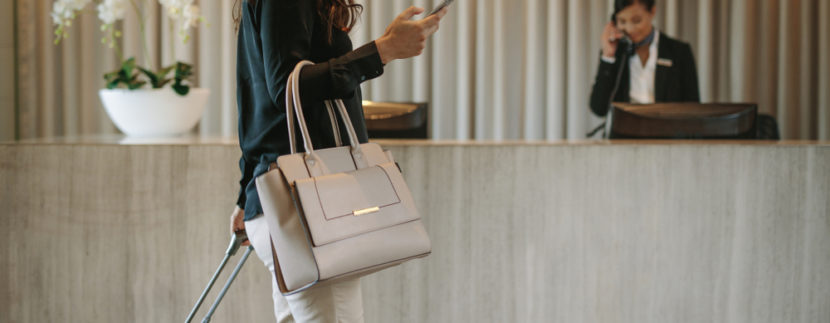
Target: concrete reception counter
105, 229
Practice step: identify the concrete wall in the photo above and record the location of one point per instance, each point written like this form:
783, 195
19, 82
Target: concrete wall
637, 232
7, 70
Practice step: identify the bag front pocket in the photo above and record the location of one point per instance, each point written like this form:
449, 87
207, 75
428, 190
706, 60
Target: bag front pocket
344, 205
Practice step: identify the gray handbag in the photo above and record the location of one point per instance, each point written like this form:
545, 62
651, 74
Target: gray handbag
336, 213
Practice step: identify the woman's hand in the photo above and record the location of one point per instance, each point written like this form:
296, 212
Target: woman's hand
610, 39
405, 38
238, 223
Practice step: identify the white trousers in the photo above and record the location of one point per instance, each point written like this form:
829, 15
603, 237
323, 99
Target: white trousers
338, 302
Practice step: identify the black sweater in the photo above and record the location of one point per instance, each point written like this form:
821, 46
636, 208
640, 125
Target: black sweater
677, 83
274, 36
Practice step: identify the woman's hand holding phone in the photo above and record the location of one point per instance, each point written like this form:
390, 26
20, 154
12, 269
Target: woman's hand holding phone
404, 37
611, 37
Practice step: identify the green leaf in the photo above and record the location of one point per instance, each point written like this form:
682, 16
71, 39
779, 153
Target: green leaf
164, 71
136, 85
154, 79
163, 83
115, 78
111, 76
157, 79
162, 74
183, 71
128, 66
181, 89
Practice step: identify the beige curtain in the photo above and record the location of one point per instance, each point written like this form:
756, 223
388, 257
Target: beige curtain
497, 69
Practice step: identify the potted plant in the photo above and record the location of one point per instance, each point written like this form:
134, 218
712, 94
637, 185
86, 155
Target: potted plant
143, 100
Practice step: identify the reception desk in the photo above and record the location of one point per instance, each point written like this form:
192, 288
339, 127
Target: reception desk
110, 230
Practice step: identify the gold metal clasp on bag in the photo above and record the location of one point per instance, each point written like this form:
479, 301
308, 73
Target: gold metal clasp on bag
366, 211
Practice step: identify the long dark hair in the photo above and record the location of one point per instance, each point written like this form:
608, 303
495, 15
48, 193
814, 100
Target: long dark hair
340, 14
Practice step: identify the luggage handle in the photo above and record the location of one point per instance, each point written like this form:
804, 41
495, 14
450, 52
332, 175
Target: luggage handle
236, 241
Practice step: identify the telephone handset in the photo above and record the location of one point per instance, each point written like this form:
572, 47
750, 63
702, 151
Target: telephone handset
624, 39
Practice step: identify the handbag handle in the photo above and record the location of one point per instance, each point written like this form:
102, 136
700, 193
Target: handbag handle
294, 105
335, 129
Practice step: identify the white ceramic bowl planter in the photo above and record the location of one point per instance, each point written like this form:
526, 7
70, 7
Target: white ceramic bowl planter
154, 112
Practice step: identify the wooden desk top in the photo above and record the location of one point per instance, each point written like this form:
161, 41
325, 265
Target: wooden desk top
233, 141
603, 143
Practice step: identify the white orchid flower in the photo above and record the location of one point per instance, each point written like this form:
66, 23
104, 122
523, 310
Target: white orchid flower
110, 11
191, 17
176, 8
64, 10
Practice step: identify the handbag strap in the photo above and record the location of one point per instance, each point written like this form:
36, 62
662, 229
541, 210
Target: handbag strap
344, 115
294, 106
289, 104
335, 129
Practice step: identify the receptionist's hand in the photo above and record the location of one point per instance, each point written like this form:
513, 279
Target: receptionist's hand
610, 39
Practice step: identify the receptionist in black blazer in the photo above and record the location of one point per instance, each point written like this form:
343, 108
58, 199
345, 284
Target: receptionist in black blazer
651, 66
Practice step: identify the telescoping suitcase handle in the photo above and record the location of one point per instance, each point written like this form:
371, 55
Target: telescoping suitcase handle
236, 241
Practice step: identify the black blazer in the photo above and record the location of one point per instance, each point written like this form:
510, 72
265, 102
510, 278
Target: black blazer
677, 83
275, 35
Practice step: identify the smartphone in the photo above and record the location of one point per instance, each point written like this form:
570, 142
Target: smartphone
440, 6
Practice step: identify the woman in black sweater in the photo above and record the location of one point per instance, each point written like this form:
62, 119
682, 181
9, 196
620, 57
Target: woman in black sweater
275, 35
639, 64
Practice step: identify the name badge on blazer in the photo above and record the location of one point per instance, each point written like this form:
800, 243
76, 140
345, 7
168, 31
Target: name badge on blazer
664, 62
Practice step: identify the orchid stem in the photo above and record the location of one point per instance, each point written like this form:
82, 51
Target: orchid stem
115, 46
172, 30
141, 26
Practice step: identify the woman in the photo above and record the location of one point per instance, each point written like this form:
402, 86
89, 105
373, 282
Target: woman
275, 35
655, 68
